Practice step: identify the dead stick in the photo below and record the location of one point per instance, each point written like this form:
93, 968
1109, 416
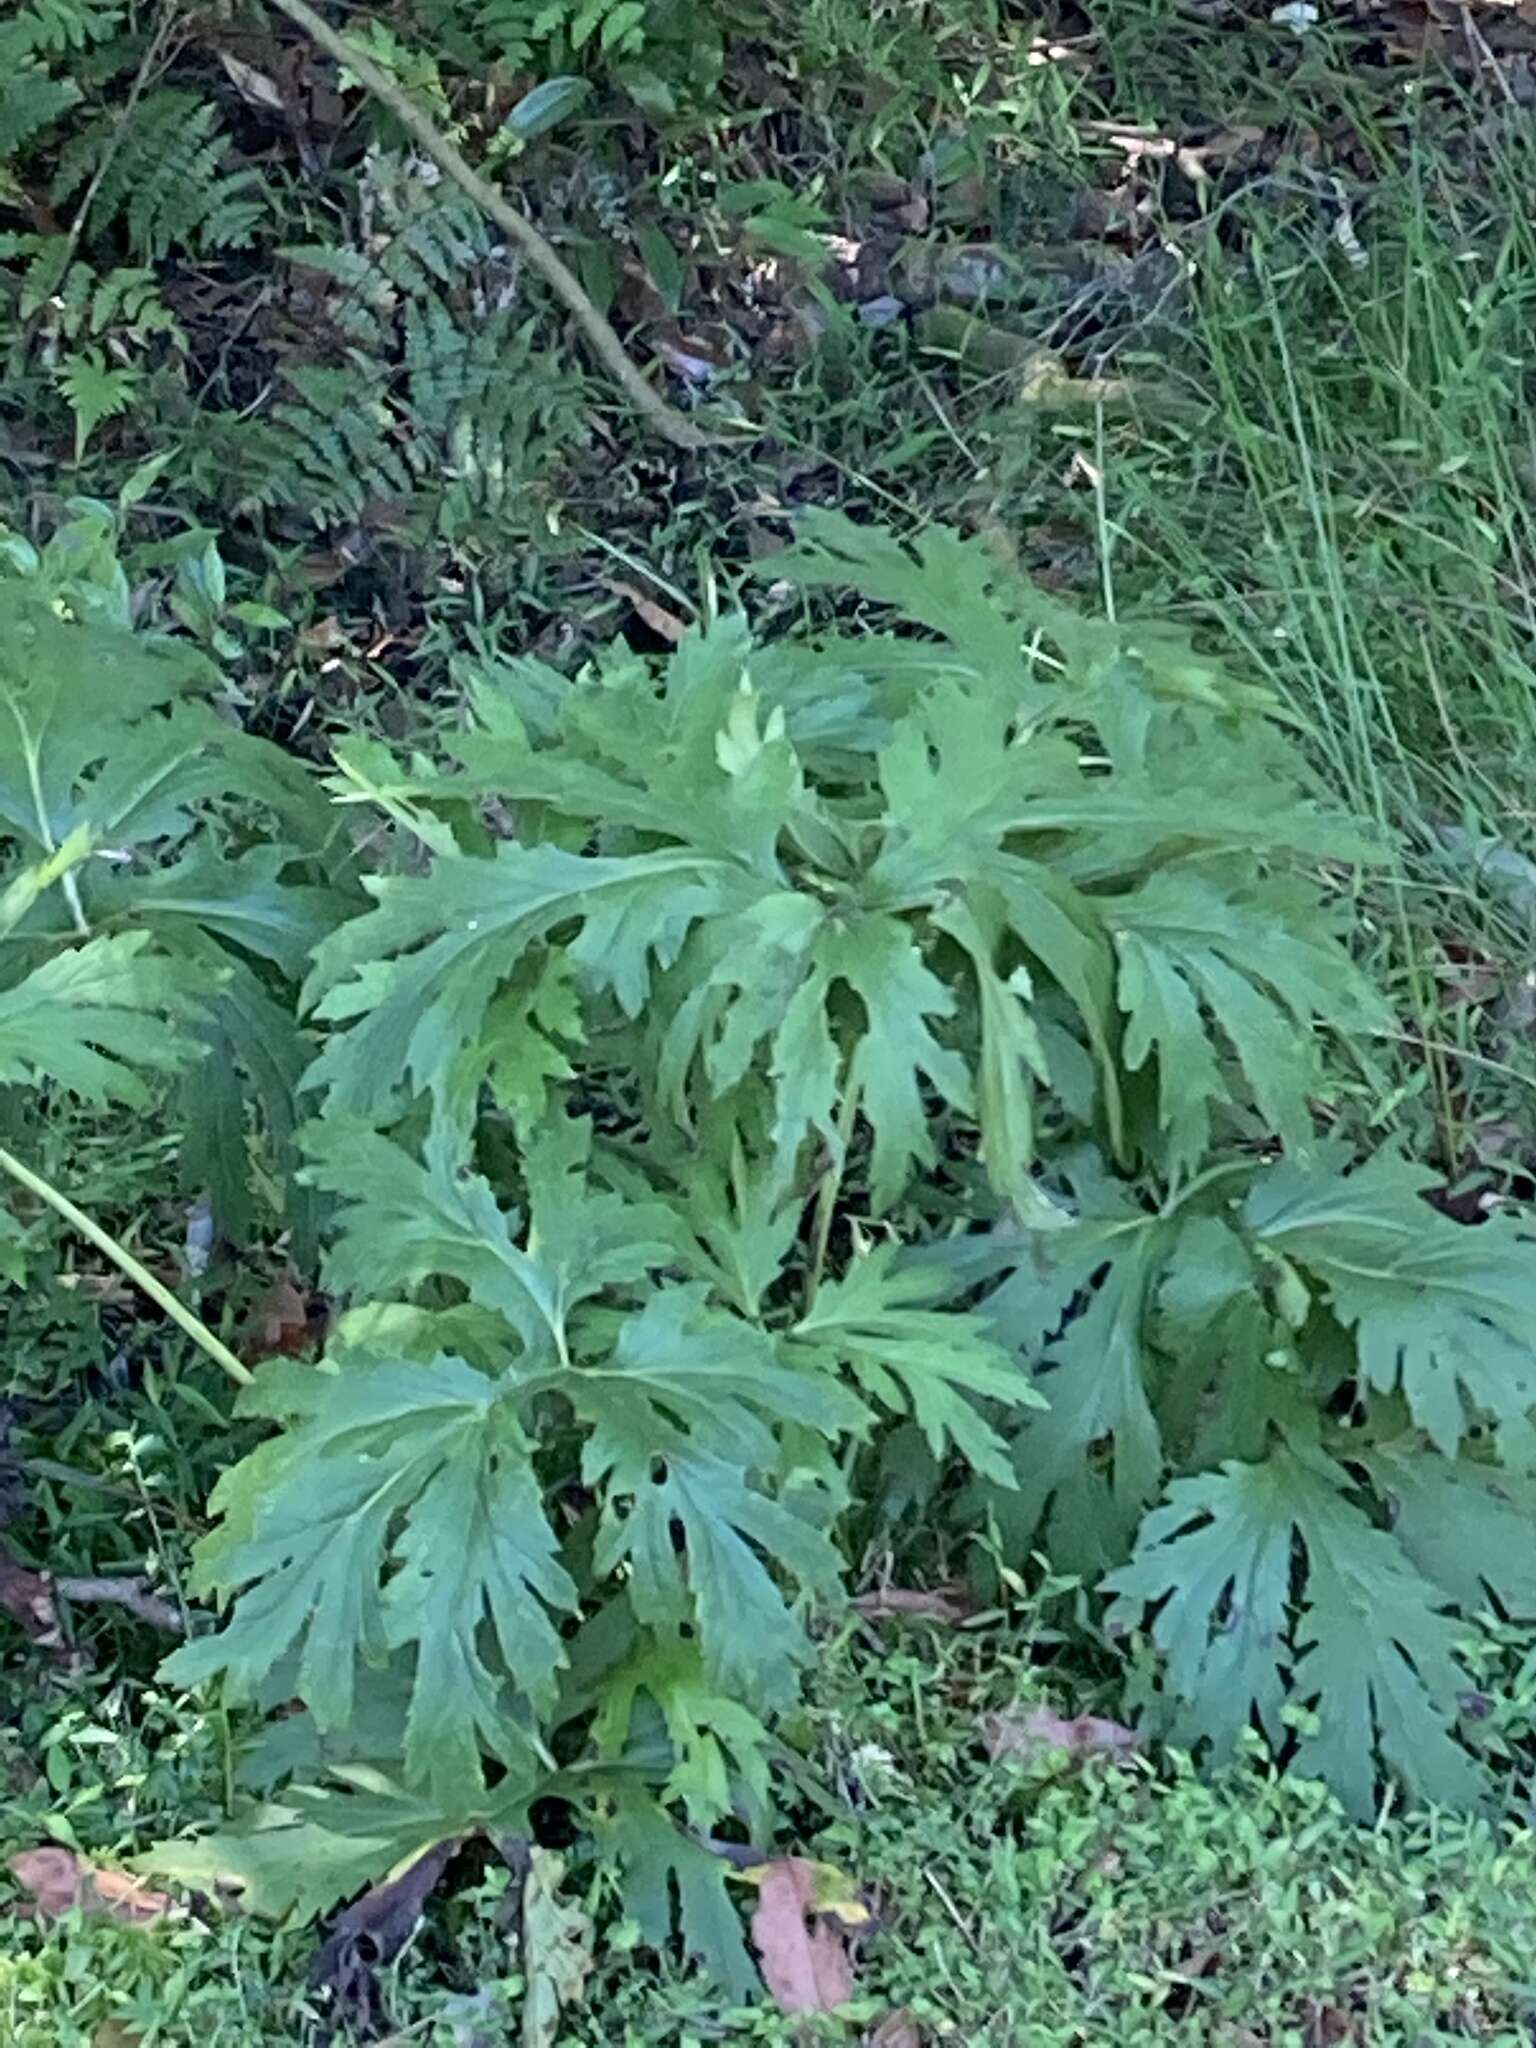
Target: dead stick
562, 281
133, 1594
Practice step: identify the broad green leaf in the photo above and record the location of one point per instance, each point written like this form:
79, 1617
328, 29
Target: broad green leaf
545, 107
297, 1857
399, 1509
103, 728
256, 1057
1443, 1310
1203, 968
1076, 1309
719, 1747
954, 587
1468, 1527
91, 1016
878, 1323
785, 971
683, 1415
407, 1221
897, 1051
70, 692
703, 760
244, 903
1371, 1653
668, 1879
415, 977
1219, 1557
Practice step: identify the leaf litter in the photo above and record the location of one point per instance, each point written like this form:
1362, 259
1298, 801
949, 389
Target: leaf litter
804, 1956
1040, 1731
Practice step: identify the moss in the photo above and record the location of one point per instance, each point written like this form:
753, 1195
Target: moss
1037, 1904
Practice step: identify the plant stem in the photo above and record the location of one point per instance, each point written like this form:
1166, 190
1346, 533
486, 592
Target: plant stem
827, 1194
665, 418
214, 1347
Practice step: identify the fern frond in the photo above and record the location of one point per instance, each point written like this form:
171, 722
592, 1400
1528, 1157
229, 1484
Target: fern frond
29, 101
162, 179
60, 25
95, 390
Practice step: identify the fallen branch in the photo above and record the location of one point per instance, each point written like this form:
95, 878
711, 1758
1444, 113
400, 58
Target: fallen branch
134, 1594
665, 418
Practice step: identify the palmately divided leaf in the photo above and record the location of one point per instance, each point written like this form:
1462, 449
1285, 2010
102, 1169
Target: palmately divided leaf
1219, 1555
897, 1051
1261, 968
659, 1864
1445, 1311
1468, 1527
91, 1016
1076, 1308
1370, 1650
256, 1049
297, 1857
783, 970
719, 1747
70, 693
244, 903
415, 977
105, 728
705, 759
683, 1416
399, 1510
407, 1221
878, 1323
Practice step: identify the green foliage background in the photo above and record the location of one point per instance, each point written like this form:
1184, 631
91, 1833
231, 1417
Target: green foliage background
910, 1066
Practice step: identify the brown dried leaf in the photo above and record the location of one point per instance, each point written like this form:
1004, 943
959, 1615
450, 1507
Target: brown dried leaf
804, 1961
114, 2034
557, 1950
370, 1934
1039, 1731
899, 2029
662, 622
251, 84
61, 1882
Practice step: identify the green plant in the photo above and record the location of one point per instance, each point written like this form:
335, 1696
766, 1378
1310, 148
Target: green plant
868, 1049
165, 873
804, 1064
667, 56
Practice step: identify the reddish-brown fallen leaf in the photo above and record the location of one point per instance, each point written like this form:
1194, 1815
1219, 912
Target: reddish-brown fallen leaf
805, 1963
1039, 1731
284, 1322
115, 2034
60, 1882
937, 1603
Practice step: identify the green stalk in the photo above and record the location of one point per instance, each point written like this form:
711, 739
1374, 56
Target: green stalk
213, 1347
826, 1198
